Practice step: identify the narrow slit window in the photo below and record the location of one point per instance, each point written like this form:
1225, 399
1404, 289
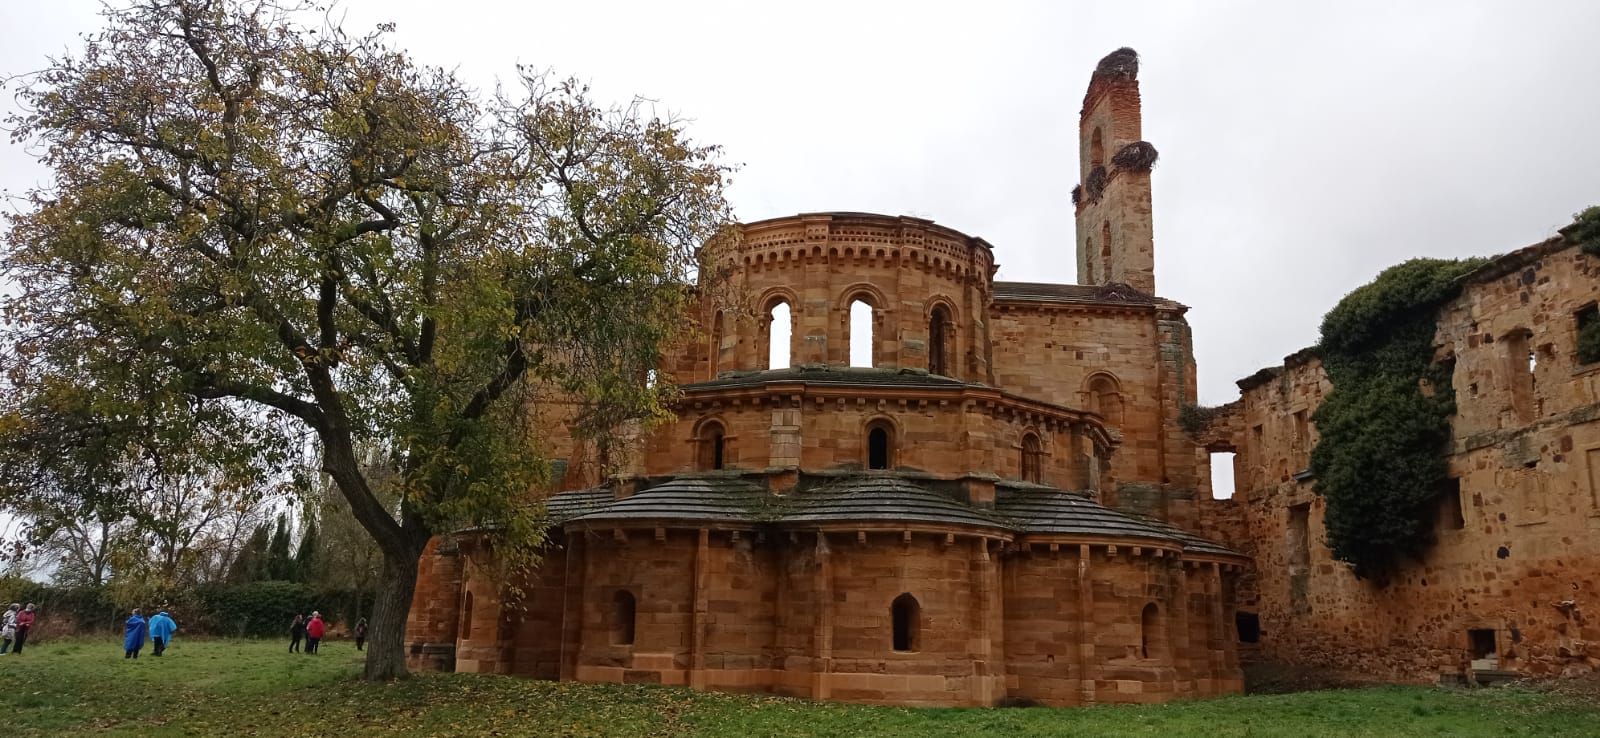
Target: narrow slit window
938, 350
1031, 458
713, 446
880, 440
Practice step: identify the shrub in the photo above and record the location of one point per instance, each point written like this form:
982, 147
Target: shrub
1585, 230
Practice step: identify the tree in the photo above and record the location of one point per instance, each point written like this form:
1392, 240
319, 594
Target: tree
305, 555
259, 231
280, 567
250, 564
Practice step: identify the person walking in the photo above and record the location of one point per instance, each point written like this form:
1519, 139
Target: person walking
314, 630
297, 630
133, 632
24, 624
8, 627
162, 626
361, 633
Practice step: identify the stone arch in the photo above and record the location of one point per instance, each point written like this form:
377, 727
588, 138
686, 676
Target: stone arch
767, 309
879, 436
1102, 394
905, 616
878, 304
1032, 450
711, 444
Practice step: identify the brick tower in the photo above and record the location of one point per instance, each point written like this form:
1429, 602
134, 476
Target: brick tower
1115, 237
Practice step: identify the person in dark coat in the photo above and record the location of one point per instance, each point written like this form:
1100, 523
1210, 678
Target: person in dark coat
297, 630
315, 628
133, 632
361, 633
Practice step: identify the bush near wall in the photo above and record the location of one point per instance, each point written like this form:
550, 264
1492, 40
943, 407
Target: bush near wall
255, 609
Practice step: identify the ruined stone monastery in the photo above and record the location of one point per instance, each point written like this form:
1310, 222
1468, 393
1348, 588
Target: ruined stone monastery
991, 496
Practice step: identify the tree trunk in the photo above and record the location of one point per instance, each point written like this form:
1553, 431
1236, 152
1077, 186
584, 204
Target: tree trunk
386, 631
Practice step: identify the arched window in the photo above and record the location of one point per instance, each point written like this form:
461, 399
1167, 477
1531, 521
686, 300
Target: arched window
1106, 399
860, 333
466, 618
880, 445
1032, 456
718, 335
906, 615
1150, 632
1105, 251
623, 612
713, 446
1097, 149
780, 333
938, 337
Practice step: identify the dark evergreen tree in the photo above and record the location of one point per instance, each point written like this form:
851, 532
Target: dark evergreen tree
305, 557
250, 563
279, 566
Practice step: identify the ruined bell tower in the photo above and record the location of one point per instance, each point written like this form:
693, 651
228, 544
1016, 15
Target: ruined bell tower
1116, 242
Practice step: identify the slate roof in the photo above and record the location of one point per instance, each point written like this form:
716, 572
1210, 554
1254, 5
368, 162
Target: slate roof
704, 498
868, 497
563, 506
1055, 512
863, 377
887, 499
1086, 293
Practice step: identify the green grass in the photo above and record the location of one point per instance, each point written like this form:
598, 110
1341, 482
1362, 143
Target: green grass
244, 688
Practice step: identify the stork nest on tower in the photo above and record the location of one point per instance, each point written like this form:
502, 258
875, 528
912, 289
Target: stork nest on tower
1122, 63
1077, 195
1095, 184
1138, 156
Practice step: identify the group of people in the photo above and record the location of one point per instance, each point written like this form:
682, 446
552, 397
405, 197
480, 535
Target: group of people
159, 628
14, 627
312, 631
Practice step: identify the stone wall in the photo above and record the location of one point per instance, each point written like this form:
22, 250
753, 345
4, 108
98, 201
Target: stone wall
1517, 555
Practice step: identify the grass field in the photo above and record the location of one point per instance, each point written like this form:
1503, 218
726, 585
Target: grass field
245, 688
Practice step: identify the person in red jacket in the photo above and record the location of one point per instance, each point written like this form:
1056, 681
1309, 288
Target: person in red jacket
24, 624
314, 631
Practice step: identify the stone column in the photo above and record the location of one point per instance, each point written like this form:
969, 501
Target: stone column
1178, 624
822, 636
696, 677
988, 625
1086, 662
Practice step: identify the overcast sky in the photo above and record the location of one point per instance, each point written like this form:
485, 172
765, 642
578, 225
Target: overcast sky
1303, 147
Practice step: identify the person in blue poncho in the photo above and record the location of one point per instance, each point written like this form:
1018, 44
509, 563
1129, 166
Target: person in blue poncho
162, 626
134, 630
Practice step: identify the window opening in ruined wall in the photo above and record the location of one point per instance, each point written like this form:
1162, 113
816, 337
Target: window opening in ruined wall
713, 446
860, 333
1451, 516
938, 330
880, 445
624, 615
780, 332
1588, 325
466, 617
1298, 539
1593, 459
1520, 366
1222, 478
1150, 634
905, 615
1032, 456
1249, 626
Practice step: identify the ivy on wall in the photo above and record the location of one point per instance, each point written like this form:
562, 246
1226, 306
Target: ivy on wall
1385, 425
